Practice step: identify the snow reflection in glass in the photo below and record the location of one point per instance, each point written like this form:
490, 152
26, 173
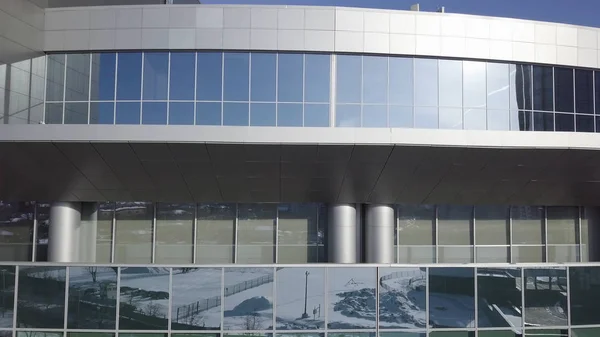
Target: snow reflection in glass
451, 297
41, 299
92, 297
248, 299
144, 297
545, 297
402, 298
196, 299
7, 293
499, 298
352, 298
300, 298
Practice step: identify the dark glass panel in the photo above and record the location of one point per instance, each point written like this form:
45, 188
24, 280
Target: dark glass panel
543, 89
236, 77
498, 333
42, 214
584, 123
585, 332
290, 77
584, 91
545, 297
103, 76
128, 113
76, 113
181, 113
196, 305
263, 83
154, 113
144, 298
54, 113
565, 122
349, 78
352, 299
181, 85
400, 116
129, 76
263, 114
41, 298
78, 77
455, 225
375, 79
597, 91
316, 115
546, 333
102, 113
92, 300
236, 114
543, 121
90, 334
451, 297
38, 334
563, 89
208, 113
317, 75
525, 121
374, 116
16, 237
209, 80
104, 232
298, 233
402, 298
347, 115
499, 298
7, 296
585, 295
55, 77
521, 87
156, 70
304, 308
452, 334
289, 114
248, 310
402, 334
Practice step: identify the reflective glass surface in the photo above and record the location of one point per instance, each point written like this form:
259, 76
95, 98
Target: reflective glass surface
91, 301
7, 299
451, 297
499, 297
196, 305
77, 87
545, 296
103, 77
174, 233
144, 298
264, 77
349, 79
248, 310
182, 76
290, 79
41, 297
236, 76
209, 76
303, 309
16, 243
129, 78
352, 298
402, 298
317, 78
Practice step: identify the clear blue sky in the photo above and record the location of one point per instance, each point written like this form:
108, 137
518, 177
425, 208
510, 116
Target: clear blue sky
579, 12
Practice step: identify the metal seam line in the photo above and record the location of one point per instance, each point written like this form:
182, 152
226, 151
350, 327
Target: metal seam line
89, 110
155, 206
64, 84
113, 228
276, 234
118, 299
195, 235
43, 121
222, 87
66, 309
15, 298
249, 85
332, 89
235, 234
195, 90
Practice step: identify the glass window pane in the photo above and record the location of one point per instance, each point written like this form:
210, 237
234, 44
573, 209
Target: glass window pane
154, 113
498, 120
347, 116
215, 233
55, 78
250, 310
181, 113
16, 241
156, 69
451, 83
597, 92
426, 82
209, 80
90, 305
236, 76
297, 308
102, 113
374, 116
103, 76
499, 298
76, 113
401, 117
455, 254
416, 254
492, 225
475, 119
563, 82
196, 305
562, 225
402, 298
256, 233
416, 227
104, 232
401, 81
543, 89
264, 69
585, 295
128, 113
42, 215
263, 114
174, 233
298, 233
584, 91
521, 87
88, 334
585, 332
454, 225
451, 297
349, 79
492, 254
290, 79
527, 224
451, 118
546, 333
7, 287
545, 296
474, 84
496, 333
317, 78
525, 121
543, 121
54, 113
208, 113
78, 77
498, 94
37, 334
144, 298
235, 114
565, 122
129, 76
584, 235
316, 115
289, 114
584, 123
181, 85
426, 118
452, 334
527, 254
133, 239
345, 285
375, 79
563, 253
41, 298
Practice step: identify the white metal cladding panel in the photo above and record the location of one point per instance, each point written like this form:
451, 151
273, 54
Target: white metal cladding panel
320, 29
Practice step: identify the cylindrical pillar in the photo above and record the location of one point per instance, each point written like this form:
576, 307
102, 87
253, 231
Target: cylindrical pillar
88, 231
379, 234
592, 215
341, 234
63, 236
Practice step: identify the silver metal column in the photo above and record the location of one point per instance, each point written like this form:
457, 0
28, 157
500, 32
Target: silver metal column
63, 236
88, 231
593, 217
379, 233
341, 234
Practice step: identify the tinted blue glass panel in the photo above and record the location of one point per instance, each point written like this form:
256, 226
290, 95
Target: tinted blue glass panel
498, 120
182, 76
316, 115
291, 72
54, 113
474, 82
235, 114
426, 118
55, 77
102, 113
401, 77
498, 93
401, 116
475, 119
208, 113
374, 116
129, 79
451, 118
543, 89
289, 114
426, 83
347, 115
564, 122
128, 113
263, 114
563, 89
375, 79
154, 113
210, 77
349, 79
103, 77
264, 69
237, 74
317, 78
76, 113
584, 123
181, 113
156, 70
451, 84
584, 91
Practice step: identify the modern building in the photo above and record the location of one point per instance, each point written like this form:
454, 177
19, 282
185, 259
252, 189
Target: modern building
189, 170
